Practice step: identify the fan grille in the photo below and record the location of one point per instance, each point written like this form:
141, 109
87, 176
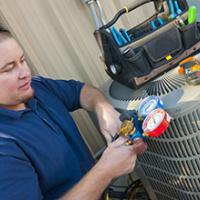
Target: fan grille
172, 162
163, 85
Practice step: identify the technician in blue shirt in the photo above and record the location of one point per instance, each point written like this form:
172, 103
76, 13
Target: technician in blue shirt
42, 155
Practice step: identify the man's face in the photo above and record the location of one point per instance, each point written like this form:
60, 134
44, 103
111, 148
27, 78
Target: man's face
15, 75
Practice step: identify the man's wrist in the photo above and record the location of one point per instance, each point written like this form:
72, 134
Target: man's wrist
105, 172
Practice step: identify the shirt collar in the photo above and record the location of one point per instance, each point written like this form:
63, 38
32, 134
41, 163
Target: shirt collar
32, 105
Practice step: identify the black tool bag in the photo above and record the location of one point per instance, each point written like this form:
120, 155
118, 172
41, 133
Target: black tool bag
152, 52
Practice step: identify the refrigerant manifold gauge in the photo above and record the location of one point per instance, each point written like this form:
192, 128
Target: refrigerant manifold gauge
156, 123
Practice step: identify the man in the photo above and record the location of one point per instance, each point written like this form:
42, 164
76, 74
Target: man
42, 155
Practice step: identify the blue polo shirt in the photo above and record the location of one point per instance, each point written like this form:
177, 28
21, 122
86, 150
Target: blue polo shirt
42, 154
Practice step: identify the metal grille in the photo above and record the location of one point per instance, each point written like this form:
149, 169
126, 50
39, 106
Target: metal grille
172, 161
163, 85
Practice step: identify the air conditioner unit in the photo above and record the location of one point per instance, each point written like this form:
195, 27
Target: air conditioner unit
171, 164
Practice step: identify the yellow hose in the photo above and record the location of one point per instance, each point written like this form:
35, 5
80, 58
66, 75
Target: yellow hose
107, 196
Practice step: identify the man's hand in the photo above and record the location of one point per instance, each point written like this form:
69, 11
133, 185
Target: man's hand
119, 158
108, 119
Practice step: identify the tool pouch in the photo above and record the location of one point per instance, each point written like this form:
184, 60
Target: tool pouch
133, 61
164, 47
151, 53
190, 34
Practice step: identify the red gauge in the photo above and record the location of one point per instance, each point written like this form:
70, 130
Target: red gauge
156, 123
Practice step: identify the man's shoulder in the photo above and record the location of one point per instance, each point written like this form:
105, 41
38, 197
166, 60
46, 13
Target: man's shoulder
55, 84
42, 87
41, 83
38, 80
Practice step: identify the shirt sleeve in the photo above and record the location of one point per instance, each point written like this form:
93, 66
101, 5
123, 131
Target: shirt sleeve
18, 180
67, 90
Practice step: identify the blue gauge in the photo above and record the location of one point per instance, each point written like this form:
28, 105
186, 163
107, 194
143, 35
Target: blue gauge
148, 104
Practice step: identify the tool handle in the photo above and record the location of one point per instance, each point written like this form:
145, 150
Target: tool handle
153, 25
119, 38
172, 9
192, 14
178, 10
125, 10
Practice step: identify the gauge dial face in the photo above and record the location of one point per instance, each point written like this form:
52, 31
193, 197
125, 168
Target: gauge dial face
153, 120
149, 106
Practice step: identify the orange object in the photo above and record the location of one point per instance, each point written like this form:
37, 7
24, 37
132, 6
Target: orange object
181, 70
191, 58
189, 64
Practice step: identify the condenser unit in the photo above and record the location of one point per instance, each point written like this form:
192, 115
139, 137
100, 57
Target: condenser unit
171, 165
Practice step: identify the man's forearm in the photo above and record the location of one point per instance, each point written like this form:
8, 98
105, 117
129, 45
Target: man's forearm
91, 98
91, 185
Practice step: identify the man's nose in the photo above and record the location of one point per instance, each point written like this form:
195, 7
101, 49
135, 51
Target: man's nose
23, 70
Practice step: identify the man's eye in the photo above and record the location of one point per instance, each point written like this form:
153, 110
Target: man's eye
9, 69
22, 60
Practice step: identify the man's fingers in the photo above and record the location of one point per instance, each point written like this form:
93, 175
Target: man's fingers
120, 141
140, 147
108, 138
